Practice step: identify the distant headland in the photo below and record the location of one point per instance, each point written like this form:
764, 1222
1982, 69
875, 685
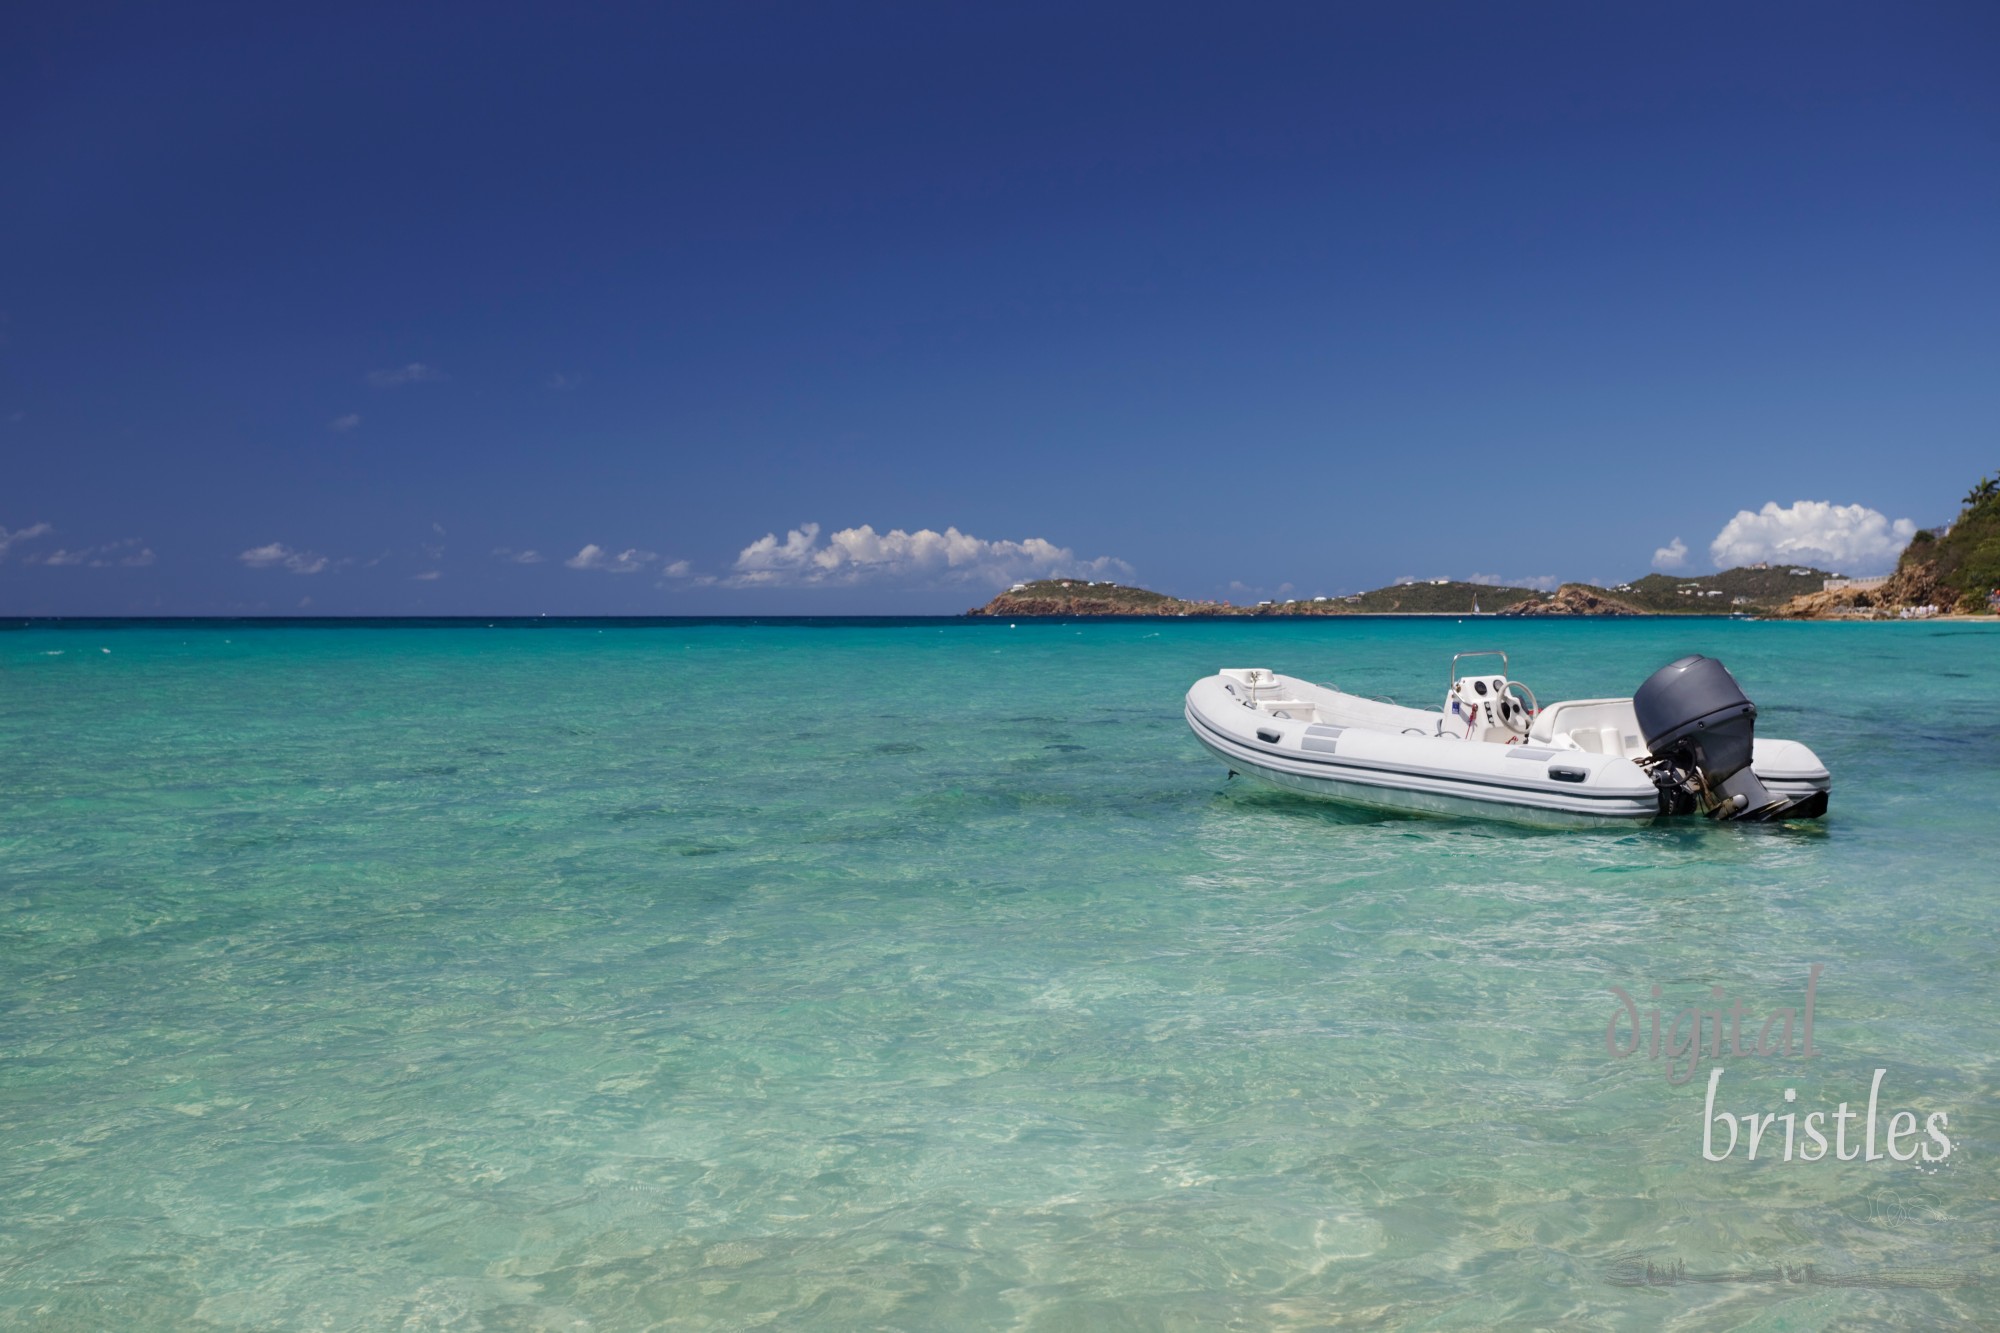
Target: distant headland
1954, 570
1758, 590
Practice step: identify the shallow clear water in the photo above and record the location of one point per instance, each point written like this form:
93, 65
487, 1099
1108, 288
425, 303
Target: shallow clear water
930, 976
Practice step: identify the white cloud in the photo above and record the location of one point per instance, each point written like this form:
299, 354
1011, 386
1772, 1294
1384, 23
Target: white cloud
517, 557
96, 557
348, 422
1853, 538
414, 373
1674, 555
858, 555
277, 554
7, 539
629, 561
428, 576
682, 574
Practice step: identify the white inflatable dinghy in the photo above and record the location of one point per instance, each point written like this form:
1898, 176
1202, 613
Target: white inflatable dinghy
1683, 743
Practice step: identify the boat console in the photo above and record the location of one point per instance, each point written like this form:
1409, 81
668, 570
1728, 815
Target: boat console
1488, 708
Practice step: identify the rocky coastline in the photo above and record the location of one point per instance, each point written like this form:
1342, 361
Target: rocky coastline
1577, 599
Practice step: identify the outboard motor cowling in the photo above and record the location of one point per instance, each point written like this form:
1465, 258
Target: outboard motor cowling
1699, 726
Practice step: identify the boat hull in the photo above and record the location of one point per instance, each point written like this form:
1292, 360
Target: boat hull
1399, 791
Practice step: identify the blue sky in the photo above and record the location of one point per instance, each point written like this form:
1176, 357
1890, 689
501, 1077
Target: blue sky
489, 309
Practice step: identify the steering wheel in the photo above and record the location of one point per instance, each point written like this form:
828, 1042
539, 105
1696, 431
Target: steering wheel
1513, 714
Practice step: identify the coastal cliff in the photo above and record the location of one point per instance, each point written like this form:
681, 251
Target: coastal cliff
1914, 589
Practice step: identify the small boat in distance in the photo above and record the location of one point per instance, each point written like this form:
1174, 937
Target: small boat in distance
1683, 743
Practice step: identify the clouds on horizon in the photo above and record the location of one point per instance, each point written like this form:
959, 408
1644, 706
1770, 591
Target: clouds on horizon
27, 534
1853, 538
129, 552
1850, 538
863, 555
277, 554
629, 561
135, 555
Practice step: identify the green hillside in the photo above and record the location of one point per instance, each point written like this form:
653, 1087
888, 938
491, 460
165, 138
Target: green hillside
1453, 598
1717, 594
1964, 561
1080, 597
1115, 597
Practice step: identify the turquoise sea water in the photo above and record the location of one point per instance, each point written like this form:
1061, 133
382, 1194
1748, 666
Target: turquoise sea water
929, 976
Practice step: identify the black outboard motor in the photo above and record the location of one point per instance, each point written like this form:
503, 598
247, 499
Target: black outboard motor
1699, 726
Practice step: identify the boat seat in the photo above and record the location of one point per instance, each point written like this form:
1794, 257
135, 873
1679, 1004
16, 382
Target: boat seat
1298, 710
1600, 726
1598, 740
